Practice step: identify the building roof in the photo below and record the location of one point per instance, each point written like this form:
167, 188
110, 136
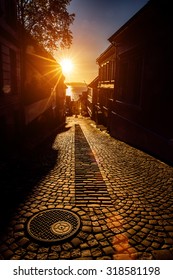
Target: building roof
107, 53
42, 60
153, 13
94, 83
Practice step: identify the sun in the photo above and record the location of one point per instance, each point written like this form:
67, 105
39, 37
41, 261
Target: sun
67, 65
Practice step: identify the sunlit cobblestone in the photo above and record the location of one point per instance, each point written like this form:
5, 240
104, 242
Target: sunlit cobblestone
129, 217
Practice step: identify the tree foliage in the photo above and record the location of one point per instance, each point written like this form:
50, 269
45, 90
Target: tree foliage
48, 21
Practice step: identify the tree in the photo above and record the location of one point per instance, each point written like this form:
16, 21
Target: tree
48, 21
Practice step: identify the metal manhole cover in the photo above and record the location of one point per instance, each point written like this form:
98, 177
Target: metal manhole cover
53, 225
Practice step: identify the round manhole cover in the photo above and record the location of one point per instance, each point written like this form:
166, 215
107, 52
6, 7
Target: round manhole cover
53, 225
61, 227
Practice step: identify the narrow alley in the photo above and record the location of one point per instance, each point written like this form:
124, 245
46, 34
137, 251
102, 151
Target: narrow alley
120, 199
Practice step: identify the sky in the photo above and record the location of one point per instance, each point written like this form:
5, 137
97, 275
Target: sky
95, 21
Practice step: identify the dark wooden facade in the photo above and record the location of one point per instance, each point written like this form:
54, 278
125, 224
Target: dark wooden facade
32, 89
106, 82
92, 99
142, 100
44, 93
10, 80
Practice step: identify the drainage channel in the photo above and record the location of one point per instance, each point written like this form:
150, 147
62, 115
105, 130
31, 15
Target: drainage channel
90, 188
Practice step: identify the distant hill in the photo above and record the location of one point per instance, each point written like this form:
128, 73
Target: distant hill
76, 84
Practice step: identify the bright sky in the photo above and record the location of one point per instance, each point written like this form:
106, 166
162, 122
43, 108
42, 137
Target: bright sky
95, 22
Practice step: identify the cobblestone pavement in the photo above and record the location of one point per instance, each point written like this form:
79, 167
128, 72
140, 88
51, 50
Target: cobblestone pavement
123, 197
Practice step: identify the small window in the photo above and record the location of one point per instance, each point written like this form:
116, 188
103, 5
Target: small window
8, 71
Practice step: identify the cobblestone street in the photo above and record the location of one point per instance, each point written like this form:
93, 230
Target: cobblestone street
122, 195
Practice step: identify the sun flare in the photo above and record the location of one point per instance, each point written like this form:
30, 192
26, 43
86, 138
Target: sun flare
67, 65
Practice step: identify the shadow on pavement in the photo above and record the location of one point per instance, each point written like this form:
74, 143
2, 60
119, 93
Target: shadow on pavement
18, 177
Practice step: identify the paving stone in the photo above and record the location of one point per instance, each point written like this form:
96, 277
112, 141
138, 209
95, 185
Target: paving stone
53, 256
19, 234
131, 231
169, 228
155, 245
104, 258
19, 227
13, 246
20, 252
122, 257
76, 253
99, 236
96, 252
95, 224
30, 256
8, 254
86, 253
146, 243
23, 241
171, 234
15, 257
104, 243
108, 250
76, 242
97, 229
87, 223
32, 247
105, 228
3, 247
65, 255
67, 246
82, 235
168, 241
162, 255
43, 250
146, 256
93, 242
87, 229
84, 246
43, 256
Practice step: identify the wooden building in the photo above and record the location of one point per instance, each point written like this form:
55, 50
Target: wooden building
32, 89
10, 80
92, 99
43, 93
106, 82
137, 104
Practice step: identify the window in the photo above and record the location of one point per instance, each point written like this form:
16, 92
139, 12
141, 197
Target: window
8, 68
112, 70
